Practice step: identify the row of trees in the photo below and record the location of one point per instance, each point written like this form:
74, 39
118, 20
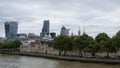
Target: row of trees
10, 45
85, 43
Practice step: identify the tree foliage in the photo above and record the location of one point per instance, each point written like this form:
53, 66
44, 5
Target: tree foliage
92, 48
10, 44
101, 37
116, 40
63, 43
81, 42
85, 43
109, 47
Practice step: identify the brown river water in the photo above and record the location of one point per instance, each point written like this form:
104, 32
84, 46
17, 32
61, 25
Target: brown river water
14, 61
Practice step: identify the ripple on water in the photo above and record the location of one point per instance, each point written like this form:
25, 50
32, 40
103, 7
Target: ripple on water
13, 61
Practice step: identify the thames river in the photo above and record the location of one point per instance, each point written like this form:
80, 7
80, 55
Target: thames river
13, 61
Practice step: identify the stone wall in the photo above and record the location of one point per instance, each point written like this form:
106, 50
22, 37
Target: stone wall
43, 48
33, 48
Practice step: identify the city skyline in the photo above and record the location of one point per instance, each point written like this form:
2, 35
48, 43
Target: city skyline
103, 15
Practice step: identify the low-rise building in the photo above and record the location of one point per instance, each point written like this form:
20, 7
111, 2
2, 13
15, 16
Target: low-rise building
22, 37
47, 38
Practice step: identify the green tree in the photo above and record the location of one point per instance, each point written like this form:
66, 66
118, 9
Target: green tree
109, 47
101, 37
58, 44
81, 42
16, 43
63, 43
118, 33
93, 49
1, 45
9, 45
116, 40
68, 45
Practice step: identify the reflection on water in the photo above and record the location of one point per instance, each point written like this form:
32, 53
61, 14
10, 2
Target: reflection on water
12, 61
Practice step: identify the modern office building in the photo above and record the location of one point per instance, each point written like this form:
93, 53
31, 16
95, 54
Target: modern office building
31, 35
47, 38
11, 29
53, 34
22, 37
46, 28
45, 35
64, 31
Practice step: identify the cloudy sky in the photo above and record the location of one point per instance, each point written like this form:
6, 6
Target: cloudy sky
96, 15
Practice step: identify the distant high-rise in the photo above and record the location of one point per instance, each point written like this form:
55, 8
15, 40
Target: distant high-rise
45, 29
11, 29
64, 31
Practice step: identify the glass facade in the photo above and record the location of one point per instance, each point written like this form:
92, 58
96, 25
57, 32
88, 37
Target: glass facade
11, 29
45, 29
64, 31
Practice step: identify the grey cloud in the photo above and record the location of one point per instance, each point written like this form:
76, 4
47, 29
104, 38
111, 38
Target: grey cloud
100, 14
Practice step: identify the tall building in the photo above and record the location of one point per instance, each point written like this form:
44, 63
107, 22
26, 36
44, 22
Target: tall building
46, 28
64, 31
11, 29
45, 35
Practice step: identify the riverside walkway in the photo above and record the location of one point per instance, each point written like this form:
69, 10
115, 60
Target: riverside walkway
69, 58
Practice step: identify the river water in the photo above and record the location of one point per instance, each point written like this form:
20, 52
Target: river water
13, 61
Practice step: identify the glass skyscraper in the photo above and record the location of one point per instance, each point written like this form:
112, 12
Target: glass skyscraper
45, 29
64, 31
11, 29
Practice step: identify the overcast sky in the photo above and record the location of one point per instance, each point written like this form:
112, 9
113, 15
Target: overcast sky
96, 15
